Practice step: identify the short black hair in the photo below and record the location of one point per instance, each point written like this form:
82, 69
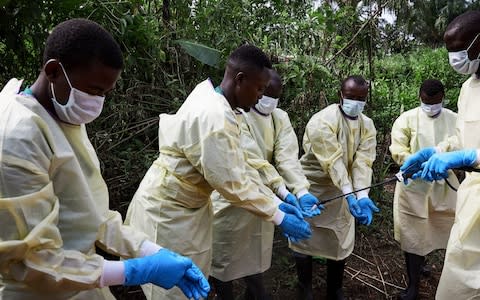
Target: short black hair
432, 87
359, 80
468, 21
248, 57
80, 42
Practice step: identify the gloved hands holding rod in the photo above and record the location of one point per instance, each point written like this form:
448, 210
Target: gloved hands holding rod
293, 225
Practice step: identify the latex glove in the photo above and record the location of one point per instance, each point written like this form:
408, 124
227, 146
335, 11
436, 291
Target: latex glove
368, 208
292, 200
290, 209
293, 225
295, 229
164, 268
307, 202
413, 164
193, 284
355, 209
436, 168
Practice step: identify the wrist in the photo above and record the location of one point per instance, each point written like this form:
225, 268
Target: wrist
302, 193
113, 273
282, 192
347, 188
362, 194
278, 217
149, 248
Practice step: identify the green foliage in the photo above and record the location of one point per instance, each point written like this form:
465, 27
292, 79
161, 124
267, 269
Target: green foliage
24, 27
170, 46
426, 20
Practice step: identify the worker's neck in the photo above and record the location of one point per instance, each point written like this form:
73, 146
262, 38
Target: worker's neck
40, 92
227, 87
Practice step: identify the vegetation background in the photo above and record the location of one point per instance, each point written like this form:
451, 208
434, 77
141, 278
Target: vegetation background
170, 46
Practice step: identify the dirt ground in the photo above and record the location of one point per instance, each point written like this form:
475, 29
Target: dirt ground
375, 270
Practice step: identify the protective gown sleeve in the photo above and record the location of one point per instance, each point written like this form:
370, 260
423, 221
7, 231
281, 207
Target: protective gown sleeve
451, 143
30, 242
268, 173
285, 153
329, 152
401, 136
224, 166
364, 158
118, 239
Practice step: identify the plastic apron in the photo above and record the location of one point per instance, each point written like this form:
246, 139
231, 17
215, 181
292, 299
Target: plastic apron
53, 207
199, 152
338, 153
461, 271
423, 212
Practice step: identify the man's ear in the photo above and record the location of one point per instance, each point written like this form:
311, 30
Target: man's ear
239, 77
52, 70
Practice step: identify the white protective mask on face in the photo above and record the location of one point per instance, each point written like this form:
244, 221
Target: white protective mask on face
461, 63
432, 109
352, 108
266, 105
81, 107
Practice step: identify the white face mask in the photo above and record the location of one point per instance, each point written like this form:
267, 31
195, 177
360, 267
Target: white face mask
431, 109
266, 105
461, 63
81, 107
352, 108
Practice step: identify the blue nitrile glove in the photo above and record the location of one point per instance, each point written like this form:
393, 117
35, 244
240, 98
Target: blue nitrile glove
413, 164
194, 284
290, 209
164, 268
368, 208
436, 168
355, 209
307, 202
295, 228
292, 200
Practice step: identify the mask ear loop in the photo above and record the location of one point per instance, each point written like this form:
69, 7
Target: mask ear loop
68, 81
66, 76
472, 43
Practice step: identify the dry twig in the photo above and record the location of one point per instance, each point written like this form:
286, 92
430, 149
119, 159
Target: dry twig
363, 259
368, 284
375, 278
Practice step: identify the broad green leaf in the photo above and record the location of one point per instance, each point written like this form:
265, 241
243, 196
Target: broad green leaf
204, 54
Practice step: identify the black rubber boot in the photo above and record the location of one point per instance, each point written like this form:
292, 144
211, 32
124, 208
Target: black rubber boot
223, 289
255, 288
426, 269
414, 264
303, 264
335, 271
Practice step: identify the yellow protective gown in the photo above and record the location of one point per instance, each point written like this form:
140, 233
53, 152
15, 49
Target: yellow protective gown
53, 207
423, 212
338, 158
199, 152
242, 242
461, 271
